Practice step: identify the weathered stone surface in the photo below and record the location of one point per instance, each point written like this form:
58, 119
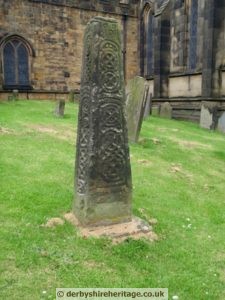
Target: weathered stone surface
209, 115
60, 107
166, 110
103, 174
136, 92
221, 123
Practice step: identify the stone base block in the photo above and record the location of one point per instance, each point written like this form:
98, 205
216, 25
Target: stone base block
135, 229
93, 209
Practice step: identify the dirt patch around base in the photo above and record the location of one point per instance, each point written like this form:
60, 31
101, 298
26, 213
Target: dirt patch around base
156, 141
175, 168
135, 229
67, 134
145, 162
144, 214
53, 222
42, 128
93, 264
178, 170
4, 130
190, 144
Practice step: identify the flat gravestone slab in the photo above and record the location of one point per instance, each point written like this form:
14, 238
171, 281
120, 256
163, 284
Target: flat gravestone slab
208, 117
103, 186
166, 110
136, 92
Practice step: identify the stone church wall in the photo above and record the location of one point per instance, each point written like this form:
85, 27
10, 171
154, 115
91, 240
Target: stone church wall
177, 45
55, 30
189, 55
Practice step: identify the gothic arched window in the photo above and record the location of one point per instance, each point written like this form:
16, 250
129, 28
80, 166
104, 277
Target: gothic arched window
192, 57
16, 64
147, 42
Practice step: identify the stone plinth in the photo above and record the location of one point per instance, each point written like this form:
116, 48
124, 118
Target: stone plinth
103, 173
136, 229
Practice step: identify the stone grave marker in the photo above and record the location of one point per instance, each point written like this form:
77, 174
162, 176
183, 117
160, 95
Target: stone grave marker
136, 92
71, 96
155, 110
14, 96
221, 123
166, 110
148, 104
60, 108
103, 186
209, 115
10, 98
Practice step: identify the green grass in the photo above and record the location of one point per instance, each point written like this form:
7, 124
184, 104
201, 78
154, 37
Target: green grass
178, 178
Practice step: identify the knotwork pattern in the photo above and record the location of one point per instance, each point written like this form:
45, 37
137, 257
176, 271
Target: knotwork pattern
112, 157
83, 140
111, 115
110, 67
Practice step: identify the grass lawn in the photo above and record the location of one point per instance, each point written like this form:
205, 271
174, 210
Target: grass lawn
178, 174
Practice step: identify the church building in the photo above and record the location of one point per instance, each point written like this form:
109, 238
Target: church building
178, 46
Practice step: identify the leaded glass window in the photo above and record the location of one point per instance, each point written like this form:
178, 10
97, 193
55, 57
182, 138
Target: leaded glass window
149, 46
147, 43
15, 64
193, 35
